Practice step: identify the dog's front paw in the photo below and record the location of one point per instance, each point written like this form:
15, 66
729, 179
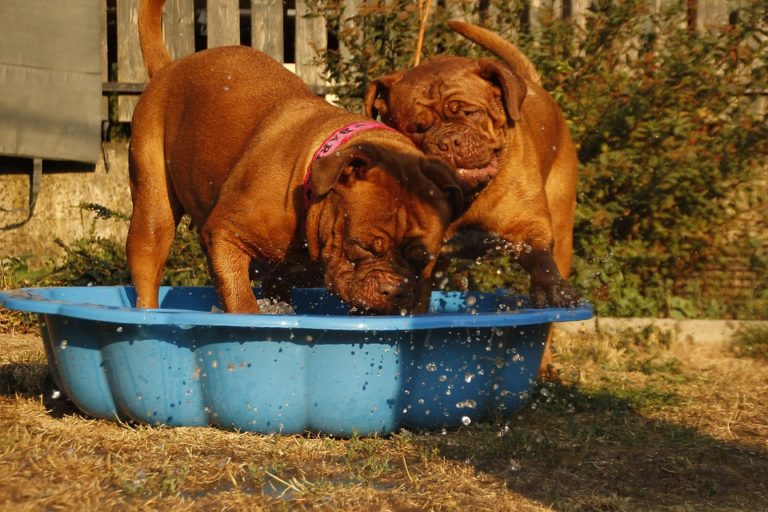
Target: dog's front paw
556, 293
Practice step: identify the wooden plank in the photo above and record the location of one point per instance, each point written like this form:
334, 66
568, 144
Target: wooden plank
179, 27
103, 56
223, 20
539, 8
130, 67
579, 10
710, 14
350, 10
123, 87
267, 27
311, 37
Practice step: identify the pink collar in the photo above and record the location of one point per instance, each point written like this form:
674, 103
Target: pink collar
334, 142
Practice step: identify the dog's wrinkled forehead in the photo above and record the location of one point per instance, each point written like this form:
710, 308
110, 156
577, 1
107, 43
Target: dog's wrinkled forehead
435, 82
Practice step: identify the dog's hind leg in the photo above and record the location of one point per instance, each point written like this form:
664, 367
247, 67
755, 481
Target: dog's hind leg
156, 213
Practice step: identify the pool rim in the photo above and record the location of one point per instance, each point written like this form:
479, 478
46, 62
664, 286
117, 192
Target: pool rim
33, 300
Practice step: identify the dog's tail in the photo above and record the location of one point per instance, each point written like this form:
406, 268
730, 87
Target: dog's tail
505, 50
153, 48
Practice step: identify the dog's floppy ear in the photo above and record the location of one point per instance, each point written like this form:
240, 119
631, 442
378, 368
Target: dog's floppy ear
340, 165
377, 94
441, 174
511, 86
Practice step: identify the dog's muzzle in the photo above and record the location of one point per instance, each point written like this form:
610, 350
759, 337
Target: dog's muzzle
385, 292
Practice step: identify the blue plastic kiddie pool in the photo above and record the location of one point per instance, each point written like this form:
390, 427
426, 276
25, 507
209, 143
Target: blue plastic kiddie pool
321, 370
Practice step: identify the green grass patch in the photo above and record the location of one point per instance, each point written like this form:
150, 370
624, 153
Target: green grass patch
751, 341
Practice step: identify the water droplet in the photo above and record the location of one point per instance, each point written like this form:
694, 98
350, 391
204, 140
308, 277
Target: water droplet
466, 420
214, 364
442, 378
466, 404
468, 377
63, 344
431, 367
544, 392
119, 329
56, 394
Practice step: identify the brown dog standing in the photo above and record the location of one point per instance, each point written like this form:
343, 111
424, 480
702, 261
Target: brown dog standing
268, 172
511, 147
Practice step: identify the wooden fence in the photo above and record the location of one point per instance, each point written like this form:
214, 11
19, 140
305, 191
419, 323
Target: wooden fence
270, 26
191, 26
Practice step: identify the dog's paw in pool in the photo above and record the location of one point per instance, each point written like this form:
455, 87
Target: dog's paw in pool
267, 307
275, 307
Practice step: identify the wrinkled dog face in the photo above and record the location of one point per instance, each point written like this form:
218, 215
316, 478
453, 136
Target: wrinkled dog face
379, 228
456, 108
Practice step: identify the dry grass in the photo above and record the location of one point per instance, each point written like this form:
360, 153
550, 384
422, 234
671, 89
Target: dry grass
637, 424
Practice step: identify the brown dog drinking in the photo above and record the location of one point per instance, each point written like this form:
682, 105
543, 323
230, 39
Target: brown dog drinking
268, 172
511, 148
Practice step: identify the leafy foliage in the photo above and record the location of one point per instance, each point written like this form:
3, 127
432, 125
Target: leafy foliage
99, 261
670, 141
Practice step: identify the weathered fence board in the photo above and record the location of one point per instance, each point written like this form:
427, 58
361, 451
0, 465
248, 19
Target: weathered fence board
311, 38
711, 13
223, 23
103, 57
267, 30
129, 65
179, 27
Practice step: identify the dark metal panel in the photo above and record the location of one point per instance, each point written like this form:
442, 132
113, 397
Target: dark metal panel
50, 79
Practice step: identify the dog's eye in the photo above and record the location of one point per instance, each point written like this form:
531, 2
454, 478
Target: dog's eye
418, 127
417, 254
458, 108
357, 250
420, 122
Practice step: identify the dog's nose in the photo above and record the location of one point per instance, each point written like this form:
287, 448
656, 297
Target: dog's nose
449, 143
397, 293
392, 290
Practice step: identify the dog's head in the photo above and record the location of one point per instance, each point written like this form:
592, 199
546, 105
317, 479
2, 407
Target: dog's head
456, 108
376, 222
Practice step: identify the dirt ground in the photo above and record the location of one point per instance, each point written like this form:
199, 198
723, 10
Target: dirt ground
637, 424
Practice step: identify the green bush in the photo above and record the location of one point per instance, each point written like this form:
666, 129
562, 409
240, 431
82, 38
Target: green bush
97, 261
670, 144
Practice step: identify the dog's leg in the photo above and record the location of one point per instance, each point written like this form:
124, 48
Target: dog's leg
561, 196
153, 221
229, 263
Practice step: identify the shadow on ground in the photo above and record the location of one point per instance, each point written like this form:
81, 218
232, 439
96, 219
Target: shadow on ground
587, 451
33, 380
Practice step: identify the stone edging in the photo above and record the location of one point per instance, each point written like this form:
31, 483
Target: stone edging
702, 331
